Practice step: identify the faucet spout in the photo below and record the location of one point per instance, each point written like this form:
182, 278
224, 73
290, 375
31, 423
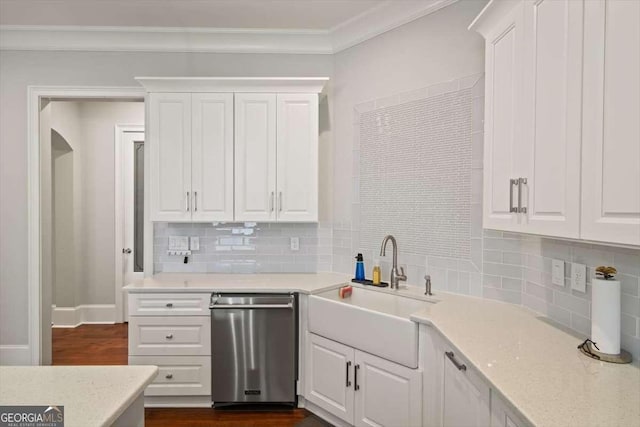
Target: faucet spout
396, 276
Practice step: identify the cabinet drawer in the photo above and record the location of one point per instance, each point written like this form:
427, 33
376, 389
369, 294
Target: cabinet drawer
169, 304
177, 375
170, 336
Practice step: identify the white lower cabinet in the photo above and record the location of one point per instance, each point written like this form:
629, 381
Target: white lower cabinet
173, 332
502, 416
359, 388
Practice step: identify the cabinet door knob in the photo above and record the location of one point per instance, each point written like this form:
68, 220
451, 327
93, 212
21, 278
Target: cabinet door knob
170, 336
168, 376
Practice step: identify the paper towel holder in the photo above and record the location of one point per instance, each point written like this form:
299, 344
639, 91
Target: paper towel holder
590, 349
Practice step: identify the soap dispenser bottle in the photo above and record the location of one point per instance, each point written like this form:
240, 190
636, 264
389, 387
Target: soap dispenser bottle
376, 272
359, 267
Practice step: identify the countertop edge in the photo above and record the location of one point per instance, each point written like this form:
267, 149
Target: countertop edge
153, 372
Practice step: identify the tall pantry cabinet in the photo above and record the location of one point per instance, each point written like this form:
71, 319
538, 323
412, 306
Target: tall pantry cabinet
562, 101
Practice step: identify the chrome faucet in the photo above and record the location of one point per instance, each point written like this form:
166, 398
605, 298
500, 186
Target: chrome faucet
395, 277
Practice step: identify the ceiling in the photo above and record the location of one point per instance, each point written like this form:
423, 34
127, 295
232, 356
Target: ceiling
244, 14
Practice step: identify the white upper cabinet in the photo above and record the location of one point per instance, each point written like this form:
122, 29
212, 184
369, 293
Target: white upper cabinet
255, 157
212, 156
297, 158
170, 150
503, 65
225, 149
551, 117
611, 122
191, 146
562, 101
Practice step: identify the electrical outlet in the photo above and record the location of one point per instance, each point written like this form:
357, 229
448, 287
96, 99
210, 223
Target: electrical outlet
579, 277
557, 272
295, 243
194, 243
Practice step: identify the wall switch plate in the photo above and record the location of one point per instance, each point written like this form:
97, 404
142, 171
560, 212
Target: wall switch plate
557, 272
579, 277
295, 243
194, 243
178, 243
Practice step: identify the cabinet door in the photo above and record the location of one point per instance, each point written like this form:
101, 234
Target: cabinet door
611, 129
329, 373
255, 157
465, 398
297, 159
386, 394
212, 156
551, 117
502, 416
170, 151
502, 112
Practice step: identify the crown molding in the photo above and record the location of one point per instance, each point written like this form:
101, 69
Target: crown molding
382, 18
234, 84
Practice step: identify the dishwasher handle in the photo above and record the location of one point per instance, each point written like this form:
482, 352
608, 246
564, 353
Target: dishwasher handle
214, 306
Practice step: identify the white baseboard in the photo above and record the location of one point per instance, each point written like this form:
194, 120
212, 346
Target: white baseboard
15, 355
70, 317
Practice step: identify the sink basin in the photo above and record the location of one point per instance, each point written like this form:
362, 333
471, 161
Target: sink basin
369, 320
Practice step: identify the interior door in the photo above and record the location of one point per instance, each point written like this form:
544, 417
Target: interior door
503, 66
387, 394
297, 158
552, 116
170, 151
212, 156
132, 210
329, 377
255, 157
611, 129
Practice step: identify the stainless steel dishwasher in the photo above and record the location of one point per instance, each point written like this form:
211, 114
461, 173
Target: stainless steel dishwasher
253, 348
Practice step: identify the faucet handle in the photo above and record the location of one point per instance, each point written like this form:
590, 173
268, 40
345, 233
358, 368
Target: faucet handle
427, 285
402, 276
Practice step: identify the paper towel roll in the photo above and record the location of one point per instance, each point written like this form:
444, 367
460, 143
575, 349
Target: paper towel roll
605, 315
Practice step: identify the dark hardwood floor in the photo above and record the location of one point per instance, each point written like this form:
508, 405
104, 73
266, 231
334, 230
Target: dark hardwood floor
107, 345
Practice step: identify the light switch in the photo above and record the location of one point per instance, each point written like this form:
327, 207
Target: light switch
178, 243
194, 243
557, 272
295, 243
579, 277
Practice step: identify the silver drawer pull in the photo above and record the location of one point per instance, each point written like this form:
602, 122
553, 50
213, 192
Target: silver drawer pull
452, 357
170, 336
168, 376
169, 304
512, 209
521, 209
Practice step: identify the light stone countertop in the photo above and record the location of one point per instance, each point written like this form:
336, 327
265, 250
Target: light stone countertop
305, 283
91, 395
536, 366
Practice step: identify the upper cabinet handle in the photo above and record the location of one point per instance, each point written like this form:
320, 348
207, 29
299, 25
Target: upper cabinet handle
271, 201
188, 201
512, 209
521, 209
195, 201
280, 202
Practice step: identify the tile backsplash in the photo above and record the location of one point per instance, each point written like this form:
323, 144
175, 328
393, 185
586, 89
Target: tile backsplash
245, 248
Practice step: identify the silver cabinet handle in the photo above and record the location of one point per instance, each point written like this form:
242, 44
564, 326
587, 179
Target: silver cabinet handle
348, 381
169, 337
169, 304
280, 202
195, 201
355, 378
452, 357
188, 201
521, 209
249, 306
271, 201
512, 209
168, 376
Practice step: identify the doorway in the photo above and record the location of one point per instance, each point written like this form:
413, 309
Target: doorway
73, 225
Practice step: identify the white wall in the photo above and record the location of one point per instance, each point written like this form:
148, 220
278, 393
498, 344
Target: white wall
21, 69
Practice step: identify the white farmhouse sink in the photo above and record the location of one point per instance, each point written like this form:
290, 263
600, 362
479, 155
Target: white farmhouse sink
369, 320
